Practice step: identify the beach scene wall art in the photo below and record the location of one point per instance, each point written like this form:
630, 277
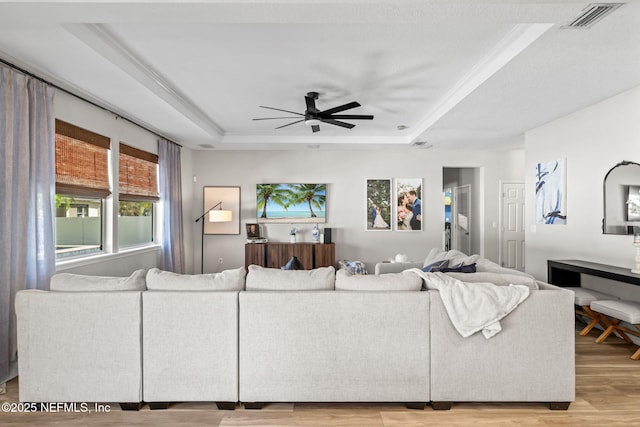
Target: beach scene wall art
291, 203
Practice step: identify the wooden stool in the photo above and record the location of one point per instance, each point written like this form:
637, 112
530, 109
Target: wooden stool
619, 310
583, 299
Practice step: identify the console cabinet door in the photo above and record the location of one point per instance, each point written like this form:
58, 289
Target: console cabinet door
255, 253
325, 254
276, 255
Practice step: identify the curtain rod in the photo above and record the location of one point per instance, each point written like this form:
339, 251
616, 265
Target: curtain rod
23, 71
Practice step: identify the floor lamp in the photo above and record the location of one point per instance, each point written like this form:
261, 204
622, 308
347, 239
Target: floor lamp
218, 215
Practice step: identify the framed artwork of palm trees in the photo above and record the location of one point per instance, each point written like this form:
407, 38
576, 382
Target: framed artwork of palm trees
291, 203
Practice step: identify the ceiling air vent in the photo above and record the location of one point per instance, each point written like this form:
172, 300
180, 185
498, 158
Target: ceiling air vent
207, 146
422, 144
592, 14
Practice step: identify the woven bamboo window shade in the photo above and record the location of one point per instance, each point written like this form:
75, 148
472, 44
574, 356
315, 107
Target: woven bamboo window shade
138, 175
82, 164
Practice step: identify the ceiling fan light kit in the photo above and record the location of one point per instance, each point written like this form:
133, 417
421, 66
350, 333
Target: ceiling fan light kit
313, 117
312, 122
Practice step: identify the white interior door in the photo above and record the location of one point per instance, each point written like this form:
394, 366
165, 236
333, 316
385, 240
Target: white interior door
461, 217
512, 225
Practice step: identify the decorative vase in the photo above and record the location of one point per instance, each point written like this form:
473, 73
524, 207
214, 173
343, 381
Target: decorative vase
292, 238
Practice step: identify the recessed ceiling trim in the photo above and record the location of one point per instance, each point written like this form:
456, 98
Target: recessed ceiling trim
517, 40
99, 39
312, 139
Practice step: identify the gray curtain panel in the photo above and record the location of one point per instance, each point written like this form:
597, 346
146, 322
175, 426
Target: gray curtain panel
172, 240
27, 191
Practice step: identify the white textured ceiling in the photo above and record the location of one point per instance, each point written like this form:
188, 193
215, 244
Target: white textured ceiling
456, 73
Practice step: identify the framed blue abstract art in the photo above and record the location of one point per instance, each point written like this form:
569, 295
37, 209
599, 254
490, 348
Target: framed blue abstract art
551, 204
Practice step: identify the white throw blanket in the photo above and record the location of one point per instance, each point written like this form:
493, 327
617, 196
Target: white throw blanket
474, 307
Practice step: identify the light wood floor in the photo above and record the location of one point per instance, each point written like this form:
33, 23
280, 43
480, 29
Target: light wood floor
607, 394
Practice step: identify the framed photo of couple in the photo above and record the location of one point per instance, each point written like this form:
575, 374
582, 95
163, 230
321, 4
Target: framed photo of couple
394, 207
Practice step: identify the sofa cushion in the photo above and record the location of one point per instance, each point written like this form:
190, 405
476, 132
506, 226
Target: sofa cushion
227, 280
274, 279
345, 281
499, 279
483, 264
69, 282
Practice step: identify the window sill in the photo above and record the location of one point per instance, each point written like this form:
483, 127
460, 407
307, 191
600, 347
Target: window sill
65, 264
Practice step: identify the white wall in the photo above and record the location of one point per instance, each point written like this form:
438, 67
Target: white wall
346, 172
592, 140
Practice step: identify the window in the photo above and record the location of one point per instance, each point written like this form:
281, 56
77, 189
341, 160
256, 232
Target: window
82, 184
138, 178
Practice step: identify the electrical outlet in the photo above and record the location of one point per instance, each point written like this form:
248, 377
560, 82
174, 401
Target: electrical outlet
220, 260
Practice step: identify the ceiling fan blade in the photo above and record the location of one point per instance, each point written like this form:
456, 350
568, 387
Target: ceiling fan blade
338, 123
339, 108
351, 116
311, 104
279, 109
289, 124
315, 128
273, 118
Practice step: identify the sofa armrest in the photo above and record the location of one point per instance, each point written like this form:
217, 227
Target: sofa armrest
396, 267
79, 346
531, 360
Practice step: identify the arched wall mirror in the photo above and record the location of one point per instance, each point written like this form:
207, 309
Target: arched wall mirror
622, 199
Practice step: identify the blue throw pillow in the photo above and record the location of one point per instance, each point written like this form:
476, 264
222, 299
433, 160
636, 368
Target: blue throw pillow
436, 266
293, 264
355, 267
470, 268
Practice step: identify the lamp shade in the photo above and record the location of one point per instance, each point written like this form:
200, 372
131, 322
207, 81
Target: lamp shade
220, 216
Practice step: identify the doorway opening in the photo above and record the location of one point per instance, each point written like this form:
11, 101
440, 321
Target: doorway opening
461, 213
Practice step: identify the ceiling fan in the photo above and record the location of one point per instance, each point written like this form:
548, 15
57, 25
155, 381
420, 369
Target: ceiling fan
313, 117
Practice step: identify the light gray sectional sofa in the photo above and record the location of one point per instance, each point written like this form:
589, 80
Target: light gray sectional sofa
288, 336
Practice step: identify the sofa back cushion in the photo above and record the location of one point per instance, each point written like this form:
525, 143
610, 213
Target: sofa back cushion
69, 282
346, 281
484, 264
227, 280
274, 279
500, 279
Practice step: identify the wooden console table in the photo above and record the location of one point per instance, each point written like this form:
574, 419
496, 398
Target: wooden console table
275, 255
567, 272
